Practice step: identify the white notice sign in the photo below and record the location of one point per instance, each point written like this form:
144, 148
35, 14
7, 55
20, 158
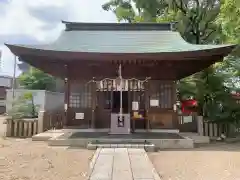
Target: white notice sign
187, 119
79, 116
154, 102
135, 106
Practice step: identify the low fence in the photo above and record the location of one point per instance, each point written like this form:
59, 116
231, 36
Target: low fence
187, 123
196, 124
26, 128
212, 129
22, 128
50, 120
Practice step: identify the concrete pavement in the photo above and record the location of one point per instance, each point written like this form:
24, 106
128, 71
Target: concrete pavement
122, 163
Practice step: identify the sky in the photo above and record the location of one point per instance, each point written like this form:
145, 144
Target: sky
39, 21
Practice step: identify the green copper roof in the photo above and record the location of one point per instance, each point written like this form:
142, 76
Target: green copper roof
122, 42
84, 45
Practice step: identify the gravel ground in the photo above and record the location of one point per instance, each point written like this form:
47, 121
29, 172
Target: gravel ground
212, 162
27, 160
23, 159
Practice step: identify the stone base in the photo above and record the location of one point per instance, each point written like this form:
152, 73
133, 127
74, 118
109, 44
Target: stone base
45, 136
64, 140
147, 147
197, 138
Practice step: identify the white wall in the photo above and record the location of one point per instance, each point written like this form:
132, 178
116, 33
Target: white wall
53, 100
5, 81
44, 99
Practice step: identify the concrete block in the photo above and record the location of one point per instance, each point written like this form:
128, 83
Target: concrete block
185, 143
150, 148
127, 145
134, 145
120, 145
141, 146
113, 145
107, 145
91, 147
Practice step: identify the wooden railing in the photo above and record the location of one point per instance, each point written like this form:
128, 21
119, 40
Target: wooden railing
213, 129
22, 128
196, 124
187, 123
54, 120
50, 120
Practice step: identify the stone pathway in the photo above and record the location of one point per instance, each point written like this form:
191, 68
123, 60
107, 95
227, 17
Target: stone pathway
122, 163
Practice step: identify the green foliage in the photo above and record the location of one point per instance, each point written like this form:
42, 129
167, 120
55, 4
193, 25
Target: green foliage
196, 19
229, 18
199, 22
136, 10
36, 79
24, 107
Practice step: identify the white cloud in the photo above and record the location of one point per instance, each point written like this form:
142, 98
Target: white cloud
41, 20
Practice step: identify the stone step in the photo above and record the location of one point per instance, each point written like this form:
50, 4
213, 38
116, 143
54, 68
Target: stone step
147, 147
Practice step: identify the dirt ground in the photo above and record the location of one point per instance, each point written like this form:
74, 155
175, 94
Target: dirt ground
23, 159
212, 162
27, 160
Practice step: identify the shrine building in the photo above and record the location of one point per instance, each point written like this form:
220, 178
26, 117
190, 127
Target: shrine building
120, 76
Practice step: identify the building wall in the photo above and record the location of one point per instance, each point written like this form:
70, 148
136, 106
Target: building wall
5, 83
46, 100
162, 116
53, 100
2, 99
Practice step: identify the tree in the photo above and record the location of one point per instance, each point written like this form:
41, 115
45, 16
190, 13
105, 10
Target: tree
230, 21
36, 79
229, 18
136, 10
198, 23
196, 18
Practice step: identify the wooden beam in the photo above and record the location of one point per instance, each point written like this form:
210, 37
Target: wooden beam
174, 100
147, 104
66, 96
93, 89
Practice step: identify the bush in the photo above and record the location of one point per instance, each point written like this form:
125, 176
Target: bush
24, 107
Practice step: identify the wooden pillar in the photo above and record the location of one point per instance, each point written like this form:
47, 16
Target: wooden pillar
129, 106
174, 101
112, 89
146, 89
66, 96
94, 93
